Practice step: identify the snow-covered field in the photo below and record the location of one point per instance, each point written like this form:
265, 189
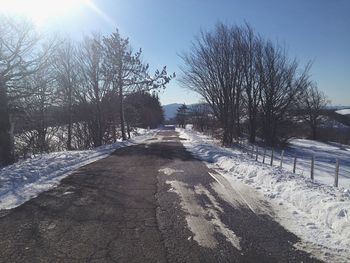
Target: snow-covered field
325, 155
317, 213
28, 178
343, 112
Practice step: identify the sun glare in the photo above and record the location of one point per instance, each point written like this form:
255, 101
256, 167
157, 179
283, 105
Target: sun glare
40, 11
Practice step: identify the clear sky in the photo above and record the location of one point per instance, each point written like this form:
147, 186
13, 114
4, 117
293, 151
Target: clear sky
317, 30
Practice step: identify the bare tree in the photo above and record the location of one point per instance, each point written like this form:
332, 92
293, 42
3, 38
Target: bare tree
213, 69
281, 87
251, 48
237, 72
200, 116
77, 86
94, 86
66, 66
18, 59
38, 105
313, 102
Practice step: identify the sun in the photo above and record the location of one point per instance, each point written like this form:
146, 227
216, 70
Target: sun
40, 11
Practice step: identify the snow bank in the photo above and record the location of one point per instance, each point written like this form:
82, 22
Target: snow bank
26, 179
317, 213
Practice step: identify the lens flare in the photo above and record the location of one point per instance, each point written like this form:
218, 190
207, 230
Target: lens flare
40, 11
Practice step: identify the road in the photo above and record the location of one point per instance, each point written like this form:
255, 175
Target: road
151, 202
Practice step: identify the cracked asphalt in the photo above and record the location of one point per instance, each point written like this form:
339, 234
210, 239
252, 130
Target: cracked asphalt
151, 202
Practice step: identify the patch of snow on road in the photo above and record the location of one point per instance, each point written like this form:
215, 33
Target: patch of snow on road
169, 171
204, 222
27, 179
317, 213
239, 194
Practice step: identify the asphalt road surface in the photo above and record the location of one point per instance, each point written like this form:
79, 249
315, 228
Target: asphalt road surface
152, 202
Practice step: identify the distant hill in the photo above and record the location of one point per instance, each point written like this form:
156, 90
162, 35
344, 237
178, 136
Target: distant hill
170, 110
337, 107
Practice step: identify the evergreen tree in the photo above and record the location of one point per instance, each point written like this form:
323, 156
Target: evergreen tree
181, 115
143, 109
127, 72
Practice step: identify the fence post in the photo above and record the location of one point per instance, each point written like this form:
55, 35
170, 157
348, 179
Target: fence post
257, 153
271, 162
282, 154
264, 155
295, 164
336, 173
312, 167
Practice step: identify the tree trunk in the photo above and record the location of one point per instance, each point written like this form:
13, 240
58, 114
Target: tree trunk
252, 130
41, 130
121, 112
114, 133
99, 124
237, 115
314, 132
226, 138
69, 139
41, 139
128, 129
7, 155
252, 113
274, 139
228, 132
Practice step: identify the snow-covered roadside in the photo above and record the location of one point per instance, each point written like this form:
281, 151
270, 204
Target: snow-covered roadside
27, 179
317, 213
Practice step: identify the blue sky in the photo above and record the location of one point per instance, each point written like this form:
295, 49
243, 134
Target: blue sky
317, 30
